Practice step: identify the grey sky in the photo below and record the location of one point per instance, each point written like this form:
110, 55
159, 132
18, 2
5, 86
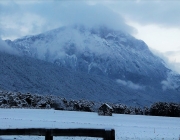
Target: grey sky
38, 16
163, 12
5, 48
41, 16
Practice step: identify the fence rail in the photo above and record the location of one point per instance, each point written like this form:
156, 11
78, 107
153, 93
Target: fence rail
106, 134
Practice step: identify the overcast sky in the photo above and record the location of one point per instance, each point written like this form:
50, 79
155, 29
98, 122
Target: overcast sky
157, 22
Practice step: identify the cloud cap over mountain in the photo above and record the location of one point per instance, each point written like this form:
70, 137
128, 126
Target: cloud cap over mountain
38, 16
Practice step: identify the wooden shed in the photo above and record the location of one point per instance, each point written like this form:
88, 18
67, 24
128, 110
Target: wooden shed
105, 110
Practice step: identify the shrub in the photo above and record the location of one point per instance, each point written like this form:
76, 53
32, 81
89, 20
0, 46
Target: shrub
165, 109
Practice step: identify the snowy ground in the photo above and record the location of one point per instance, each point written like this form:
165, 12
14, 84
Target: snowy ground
127, 127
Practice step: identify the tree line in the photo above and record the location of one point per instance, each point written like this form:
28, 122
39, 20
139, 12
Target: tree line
28, 100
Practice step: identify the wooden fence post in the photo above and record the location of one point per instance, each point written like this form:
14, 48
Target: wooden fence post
109, 134
112, 134
48, 135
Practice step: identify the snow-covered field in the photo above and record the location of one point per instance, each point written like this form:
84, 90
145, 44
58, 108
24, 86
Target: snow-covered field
127, 127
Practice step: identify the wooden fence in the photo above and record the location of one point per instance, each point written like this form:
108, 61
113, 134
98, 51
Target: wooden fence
106, 134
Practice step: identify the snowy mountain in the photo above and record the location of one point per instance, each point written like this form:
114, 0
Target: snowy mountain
115, 58
97, 50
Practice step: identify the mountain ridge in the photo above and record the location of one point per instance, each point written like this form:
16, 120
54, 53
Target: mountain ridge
100, 51
100, 64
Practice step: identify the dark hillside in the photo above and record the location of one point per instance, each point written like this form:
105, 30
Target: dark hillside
26, 74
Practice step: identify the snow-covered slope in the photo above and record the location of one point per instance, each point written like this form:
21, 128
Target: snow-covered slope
98, 50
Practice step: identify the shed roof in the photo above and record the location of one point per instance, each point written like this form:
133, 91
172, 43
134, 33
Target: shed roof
107, 105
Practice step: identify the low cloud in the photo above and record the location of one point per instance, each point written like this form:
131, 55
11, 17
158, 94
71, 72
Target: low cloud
171, 82
130, 84
6, 48
19, 18
171, 59
40, 16
168, 84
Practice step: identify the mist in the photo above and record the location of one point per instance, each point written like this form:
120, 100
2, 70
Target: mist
130, 84
173, 65
172, 82
6, 48
40, 16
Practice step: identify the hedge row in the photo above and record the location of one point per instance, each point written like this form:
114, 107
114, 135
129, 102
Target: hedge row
27, 100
